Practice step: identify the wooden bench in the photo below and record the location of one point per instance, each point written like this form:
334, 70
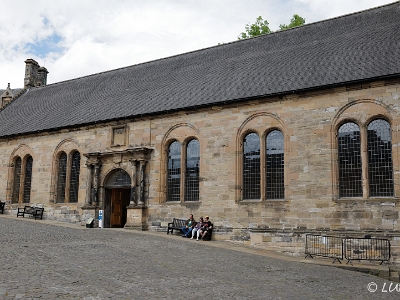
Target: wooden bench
2, 206
176, 224
35, 212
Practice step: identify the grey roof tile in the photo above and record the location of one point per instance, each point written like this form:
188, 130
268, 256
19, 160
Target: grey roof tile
355, 47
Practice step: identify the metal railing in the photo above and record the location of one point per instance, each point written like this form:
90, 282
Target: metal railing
339, 248
366, 249
325, 246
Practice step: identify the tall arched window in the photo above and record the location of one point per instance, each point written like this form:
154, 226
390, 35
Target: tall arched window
17, 180
68, 177
275, 186
349, 159
174, 172
192, 171
28, 179
22, 181
251, 167
380, 165
74, 177
62, 177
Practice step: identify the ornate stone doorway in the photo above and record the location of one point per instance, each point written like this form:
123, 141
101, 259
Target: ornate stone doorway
118, 183
117, 198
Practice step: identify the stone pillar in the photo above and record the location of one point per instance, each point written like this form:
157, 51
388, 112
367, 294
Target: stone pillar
140, 182
95, 188
133, 185
88, 200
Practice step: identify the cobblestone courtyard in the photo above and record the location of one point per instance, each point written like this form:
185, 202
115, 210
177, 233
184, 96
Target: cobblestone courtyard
46, 261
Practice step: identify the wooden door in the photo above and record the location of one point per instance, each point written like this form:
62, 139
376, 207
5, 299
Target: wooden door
116, 208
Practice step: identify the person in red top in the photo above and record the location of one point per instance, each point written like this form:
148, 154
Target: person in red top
197, 228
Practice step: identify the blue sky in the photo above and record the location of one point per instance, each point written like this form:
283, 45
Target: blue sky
77, 38
42, 48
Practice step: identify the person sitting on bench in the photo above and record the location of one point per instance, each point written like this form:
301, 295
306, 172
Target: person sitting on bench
187, 229
206, 228
196, 229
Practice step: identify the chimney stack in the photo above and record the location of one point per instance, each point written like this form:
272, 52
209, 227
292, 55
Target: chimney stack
34, 74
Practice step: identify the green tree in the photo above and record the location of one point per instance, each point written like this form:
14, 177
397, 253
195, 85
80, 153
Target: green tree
295, 21
258, 28
262, 27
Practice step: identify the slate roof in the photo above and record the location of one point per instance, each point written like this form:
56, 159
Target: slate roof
350, 48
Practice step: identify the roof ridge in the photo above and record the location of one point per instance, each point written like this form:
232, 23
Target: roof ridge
320, 21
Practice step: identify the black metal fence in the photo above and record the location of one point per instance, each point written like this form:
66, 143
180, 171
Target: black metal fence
349, 248
366, 249
325, 246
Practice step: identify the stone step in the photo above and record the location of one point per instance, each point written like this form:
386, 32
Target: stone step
394, 276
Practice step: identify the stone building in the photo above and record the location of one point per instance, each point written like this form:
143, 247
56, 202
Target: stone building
273, 137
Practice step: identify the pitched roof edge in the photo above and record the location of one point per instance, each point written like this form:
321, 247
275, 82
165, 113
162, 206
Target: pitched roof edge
219, 103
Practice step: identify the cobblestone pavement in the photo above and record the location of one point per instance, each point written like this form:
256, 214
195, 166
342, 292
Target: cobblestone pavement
47, 261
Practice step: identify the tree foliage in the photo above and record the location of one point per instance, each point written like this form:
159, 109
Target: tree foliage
262, 27
295, 21
258, 28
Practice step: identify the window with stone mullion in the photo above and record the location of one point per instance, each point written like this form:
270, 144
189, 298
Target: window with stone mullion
62, 177
251, 167
74, 178
275, 185
17, 180
192, 171
349, 161
28, 179
174, 172
380, 165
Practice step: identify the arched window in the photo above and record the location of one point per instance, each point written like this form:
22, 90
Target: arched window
21, 190
28, 179
74, 178
62, 177
192, 171
251, 167
174, 172
349, 160
275, 187
17, 180
380, 165
68, 177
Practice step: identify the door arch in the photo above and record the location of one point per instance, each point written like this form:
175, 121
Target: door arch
117, 197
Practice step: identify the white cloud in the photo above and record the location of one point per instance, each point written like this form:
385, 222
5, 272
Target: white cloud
99, 35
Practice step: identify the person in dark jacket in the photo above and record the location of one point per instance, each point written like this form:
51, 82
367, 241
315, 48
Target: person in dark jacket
187, 229
206, 229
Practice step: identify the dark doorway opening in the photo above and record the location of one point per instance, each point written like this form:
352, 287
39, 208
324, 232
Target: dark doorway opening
117, 198
115, 207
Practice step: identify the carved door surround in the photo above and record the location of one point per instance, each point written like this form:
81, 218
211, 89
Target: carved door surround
101, 164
